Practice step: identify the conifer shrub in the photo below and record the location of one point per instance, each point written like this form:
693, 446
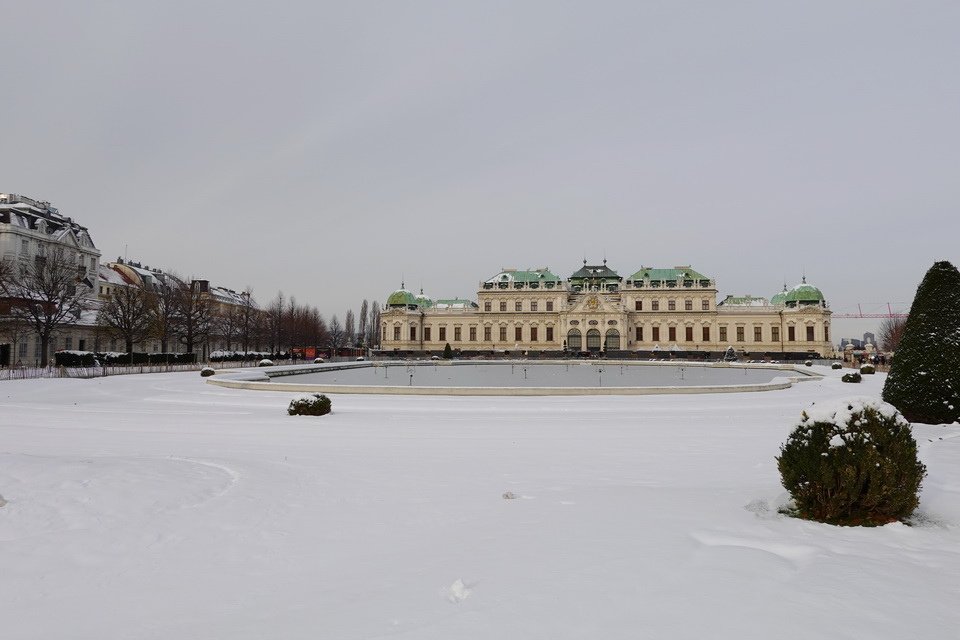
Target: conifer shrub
853, 463
318, 361
868, 369
853, 376
808, 363
311, 404
447, 352
265, 363
836, 365
924, 379
206, 372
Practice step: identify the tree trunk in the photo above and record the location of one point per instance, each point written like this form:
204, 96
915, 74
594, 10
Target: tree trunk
44, 350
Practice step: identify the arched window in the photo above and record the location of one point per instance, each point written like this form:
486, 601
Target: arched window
593, 340
613, 340
574, 342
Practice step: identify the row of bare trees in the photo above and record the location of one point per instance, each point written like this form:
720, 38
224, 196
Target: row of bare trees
46, 295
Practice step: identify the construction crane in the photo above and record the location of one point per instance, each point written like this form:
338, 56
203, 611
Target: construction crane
861, 314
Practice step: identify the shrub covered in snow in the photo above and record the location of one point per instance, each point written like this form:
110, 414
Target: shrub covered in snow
265, 363
318, 361
311, 404
853, 376
924, 380
808, 363
836, 365
206, 372
868, 369
852, 463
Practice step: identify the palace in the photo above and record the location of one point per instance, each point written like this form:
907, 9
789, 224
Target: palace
652, 313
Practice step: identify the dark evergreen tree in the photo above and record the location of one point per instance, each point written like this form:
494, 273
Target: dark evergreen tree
447, 352
924, 379
730, 355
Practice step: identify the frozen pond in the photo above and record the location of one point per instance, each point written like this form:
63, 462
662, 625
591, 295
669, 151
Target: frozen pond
527, 374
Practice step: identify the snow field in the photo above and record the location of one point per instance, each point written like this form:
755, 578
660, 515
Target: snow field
157, 506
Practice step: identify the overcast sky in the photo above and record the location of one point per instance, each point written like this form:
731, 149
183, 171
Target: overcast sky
330, 148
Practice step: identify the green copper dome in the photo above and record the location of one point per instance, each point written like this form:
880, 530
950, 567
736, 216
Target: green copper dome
804, 294
423, 301
779, 298
401, 298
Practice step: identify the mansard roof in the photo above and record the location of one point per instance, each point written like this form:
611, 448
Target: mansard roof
595, 272
523, 275
682, 272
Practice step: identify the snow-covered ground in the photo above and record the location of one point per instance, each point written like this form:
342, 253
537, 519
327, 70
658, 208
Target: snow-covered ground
157, 506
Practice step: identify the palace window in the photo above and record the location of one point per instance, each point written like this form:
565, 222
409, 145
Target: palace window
549, 334
413, 333
549, 305
503, 334
740, 334
723, 334
396, 333
705, 305
503, 305
456, 334
518, 305
809, 335
533, 334
791, 334
706, 334
638, 305
486, 305
826, 332
672, 334
639, 331
473, 334
426, 334
688, 305
518, 334
689, 334
655, 305
775, 334
533, 305
443, 334
655, 334
758, 334
486, 334
671, 305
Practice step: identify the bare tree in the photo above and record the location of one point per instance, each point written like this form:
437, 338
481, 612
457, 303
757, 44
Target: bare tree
127, 316
248, 312
336, 336
275, 323
364, 318
890, 332
193, 316
349, 328
162, 305
47, 294
373, 339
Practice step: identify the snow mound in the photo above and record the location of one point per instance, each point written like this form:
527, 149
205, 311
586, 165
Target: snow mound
457, 592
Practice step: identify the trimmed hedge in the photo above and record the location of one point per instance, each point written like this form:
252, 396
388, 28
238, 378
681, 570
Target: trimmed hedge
852, 377
868, 369
854, 463
206, 372
836, 365
90, 359
314, 404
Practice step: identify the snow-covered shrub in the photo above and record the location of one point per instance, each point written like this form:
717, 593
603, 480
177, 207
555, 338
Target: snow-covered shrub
311, 404
318, 361
265, 363
836, 365
867, 369
853, 376
206, 372
924, 380
852, 463
808, 363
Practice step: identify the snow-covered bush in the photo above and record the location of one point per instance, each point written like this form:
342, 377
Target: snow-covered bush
265, 363
867, 369
808, 363
311, 404
852, 463
836, 365
924, 380
853, 376
206, 372
318, 361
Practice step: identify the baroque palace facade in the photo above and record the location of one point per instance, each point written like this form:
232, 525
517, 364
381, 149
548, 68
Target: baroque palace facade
653, 313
